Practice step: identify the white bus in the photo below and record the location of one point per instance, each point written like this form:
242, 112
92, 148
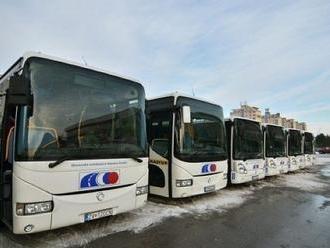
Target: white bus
187, 146
73, 144
295, 153
245, 148
308, 146
275, 150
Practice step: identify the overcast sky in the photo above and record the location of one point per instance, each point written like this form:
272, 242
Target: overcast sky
272, 54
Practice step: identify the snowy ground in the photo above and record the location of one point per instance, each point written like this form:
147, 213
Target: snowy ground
154, 213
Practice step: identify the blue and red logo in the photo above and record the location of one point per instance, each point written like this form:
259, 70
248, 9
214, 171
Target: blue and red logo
207, 168
96, 179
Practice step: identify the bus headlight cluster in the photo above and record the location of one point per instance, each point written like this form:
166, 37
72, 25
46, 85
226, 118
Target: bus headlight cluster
241, 168
272, 164
184, 183
294, 161
142, 190
34, 208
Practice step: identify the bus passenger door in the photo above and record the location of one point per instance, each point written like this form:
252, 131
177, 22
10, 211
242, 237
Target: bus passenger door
7, 157
159, 136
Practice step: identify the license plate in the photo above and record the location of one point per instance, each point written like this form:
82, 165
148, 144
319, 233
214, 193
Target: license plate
254, 177
281, 171
98, 214
209, 188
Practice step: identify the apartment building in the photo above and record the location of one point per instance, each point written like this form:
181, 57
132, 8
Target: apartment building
254, 113
247, 111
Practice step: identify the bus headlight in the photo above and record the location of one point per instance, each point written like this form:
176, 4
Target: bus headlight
272, 163
242, 169
184, 183
294, 161
34, 208
142, 190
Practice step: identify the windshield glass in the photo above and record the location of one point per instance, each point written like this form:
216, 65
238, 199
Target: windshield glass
203, 139
275, 141
79, 112
295, 139
308, 144
248, 140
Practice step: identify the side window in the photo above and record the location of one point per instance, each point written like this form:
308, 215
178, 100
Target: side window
160, 132
3, 87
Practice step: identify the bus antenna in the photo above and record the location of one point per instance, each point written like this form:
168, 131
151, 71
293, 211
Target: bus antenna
84, 61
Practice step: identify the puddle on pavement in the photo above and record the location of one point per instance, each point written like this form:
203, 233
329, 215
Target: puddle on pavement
325, 172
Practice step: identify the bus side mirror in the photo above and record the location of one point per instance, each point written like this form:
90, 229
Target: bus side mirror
186, 114
19, 91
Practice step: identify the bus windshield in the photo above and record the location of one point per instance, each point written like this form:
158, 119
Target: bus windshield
248, 140
79, 112
203, 139
275, 142
294, 144
308, 144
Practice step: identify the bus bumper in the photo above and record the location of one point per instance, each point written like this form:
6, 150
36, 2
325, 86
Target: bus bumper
71, 209
284, 169
272, 171
251, 175
201, 185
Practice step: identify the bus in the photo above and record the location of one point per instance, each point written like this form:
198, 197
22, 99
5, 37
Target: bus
245, 150
295, 153
187, 146
308, 149
73, 144
275, 150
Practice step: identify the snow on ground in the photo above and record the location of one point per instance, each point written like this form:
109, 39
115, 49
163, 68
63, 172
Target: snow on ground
154, 213
303, 181
322, 159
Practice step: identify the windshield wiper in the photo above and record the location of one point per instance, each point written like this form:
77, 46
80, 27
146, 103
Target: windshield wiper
135, 158
61, 160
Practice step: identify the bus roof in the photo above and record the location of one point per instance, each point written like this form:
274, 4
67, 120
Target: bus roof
241, 118
28, 55
296, 129
177, 94
274, 125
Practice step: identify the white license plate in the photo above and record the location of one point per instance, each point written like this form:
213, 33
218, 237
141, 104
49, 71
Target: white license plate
209, 188
281, 171
98, 214
254, 177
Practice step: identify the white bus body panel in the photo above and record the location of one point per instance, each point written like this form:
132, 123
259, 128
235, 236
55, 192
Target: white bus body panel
276, 166
310, 160
35, 182
301, 161
194, 170
296, 162
284, 164
255, 169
